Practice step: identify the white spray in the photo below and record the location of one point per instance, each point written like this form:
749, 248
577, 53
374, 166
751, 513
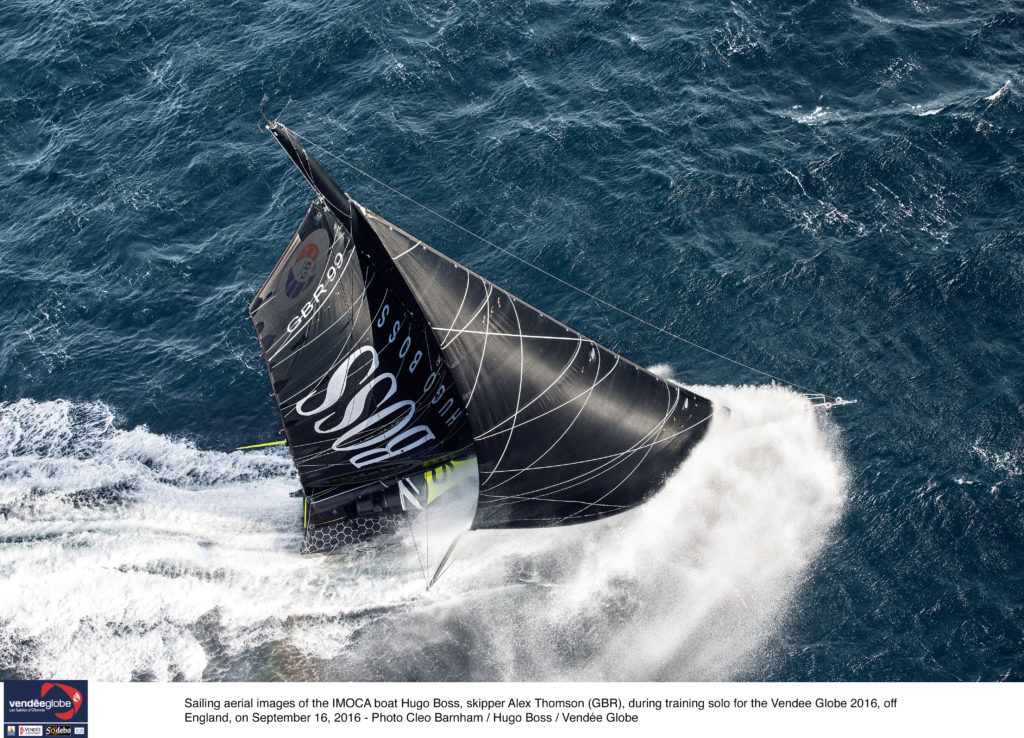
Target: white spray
126, 554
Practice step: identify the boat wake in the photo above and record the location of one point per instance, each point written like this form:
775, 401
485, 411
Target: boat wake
130, 555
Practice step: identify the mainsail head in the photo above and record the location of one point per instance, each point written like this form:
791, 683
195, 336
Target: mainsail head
388, 357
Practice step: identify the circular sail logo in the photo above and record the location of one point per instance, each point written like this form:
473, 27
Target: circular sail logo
302, 270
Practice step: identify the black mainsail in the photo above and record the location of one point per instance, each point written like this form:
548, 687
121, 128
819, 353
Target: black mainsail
391, 361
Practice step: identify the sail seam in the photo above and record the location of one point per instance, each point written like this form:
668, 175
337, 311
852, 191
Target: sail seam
413, 248
515, 335
448, 339
458, 312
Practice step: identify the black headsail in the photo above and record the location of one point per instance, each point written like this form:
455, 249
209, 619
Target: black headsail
563, 429
351, 360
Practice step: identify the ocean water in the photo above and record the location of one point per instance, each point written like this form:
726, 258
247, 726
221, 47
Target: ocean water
827, 191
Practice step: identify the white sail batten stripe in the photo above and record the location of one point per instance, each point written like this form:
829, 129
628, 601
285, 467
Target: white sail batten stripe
500, 500
264, 303
589, 393
513, 499
560, 487
344, 350
446, 341
465, 294
321, 334
673, 402
285, 337
411, 248
586, 476
609, 456
565, 484
483, 351
599, 502
519, 399
493, 430
516, 335
288, 404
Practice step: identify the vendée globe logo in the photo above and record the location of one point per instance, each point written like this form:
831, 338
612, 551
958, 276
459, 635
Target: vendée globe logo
69, 707
31, 701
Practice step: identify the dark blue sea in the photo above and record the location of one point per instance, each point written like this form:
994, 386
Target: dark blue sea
829, 192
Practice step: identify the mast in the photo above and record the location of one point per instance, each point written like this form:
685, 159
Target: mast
314, 173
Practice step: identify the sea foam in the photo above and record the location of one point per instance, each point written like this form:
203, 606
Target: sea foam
130, 555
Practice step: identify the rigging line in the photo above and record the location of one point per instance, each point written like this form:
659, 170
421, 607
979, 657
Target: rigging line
423, 569
549, 274
441, 568
449, 565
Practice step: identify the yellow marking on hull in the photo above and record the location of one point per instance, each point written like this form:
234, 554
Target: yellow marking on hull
260, 445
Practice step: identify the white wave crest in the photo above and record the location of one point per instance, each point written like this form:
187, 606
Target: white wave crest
1000, 92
